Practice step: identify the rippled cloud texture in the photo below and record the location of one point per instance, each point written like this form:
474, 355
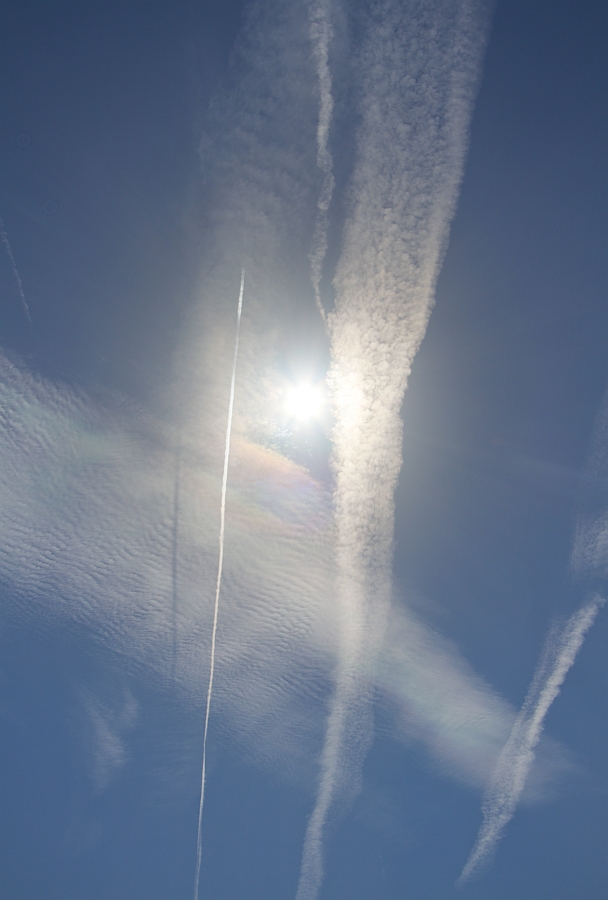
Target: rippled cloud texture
88, 499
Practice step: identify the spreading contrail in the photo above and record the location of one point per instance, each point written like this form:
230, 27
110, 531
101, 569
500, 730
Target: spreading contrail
418, 67
218, 585
9, 251
321, 34
517, 756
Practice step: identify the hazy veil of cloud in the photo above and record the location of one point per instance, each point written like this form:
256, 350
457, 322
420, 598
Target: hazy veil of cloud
259, 172
419, 69
87, 498
87, 542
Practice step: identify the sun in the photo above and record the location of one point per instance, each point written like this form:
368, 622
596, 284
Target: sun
304, 402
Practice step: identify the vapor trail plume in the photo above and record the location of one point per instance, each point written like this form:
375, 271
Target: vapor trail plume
320, 35
419, 66
218, 585
517, 756
9, 251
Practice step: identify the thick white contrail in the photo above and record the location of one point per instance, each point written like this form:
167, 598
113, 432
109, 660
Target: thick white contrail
418, 68
218, 585
517, 756
9, 251
321, 34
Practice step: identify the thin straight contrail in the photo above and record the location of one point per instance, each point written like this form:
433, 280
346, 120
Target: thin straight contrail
220, 564
517, 756
9, 251
321, 34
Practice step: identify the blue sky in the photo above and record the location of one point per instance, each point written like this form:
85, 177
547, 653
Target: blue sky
397, 568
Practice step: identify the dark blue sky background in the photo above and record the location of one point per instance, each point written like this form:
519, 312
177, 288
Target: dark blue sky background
103, 108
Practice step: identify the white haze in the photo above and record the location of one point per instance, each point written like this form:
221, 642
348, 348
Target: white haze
86, 543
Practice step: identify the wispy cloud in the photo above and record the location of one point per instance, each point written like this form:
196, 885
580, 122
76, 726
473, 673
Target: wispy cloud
418, 72
110, 722
517, 756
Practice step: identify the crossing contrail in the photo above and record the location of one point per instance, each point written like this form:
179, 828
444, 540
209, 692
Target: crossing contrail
517, 756
321, 34
9, 252
562, 645
218, 585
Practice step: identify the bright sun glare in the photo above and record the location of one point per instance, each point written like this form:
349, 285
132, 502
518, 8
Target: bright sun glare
304, 402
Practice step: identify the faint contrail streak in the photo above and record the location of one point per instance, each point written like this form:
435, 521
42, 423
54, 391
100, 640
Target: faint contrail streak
174, 561
9, 251
418, 65
320, 35
220, 564
517, 756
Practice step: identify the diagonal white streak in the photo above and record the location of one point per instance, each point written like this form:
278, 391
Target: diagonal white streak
218, 585
9, 252
419, 66
517, 756
321, 34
